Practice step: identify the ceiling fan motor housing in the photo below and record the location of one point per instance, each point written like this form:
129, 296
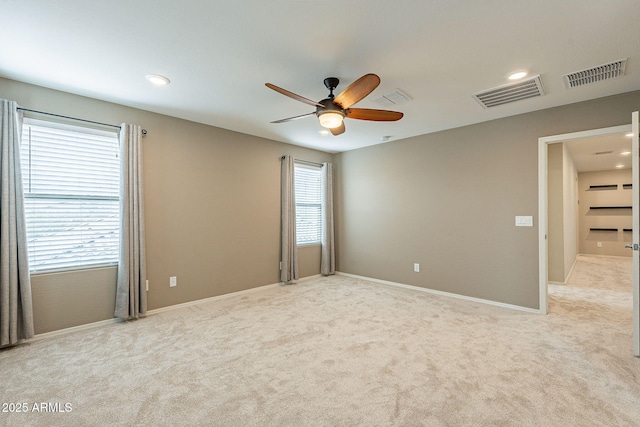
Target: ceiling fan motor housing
329, 105
331, 83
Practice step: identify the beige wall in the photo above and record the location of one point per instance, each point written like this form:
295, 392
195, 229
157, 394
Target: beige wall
569, 211
612, 242
309, 260
562, 212
445, 200
64, 300
212, 212
555, 168
448, 201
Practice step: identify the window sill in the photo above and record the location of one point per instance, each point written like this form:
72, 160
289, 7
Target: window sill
73, 269
304, 245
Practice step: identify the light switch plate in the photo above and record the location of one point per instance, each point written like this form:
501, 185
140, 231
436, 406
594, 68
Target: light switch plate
524, 221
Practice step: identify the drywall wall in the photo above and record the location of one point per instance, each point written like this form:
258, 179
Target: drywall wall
309, 260
611, 222
569, 211
66, 299
212, 200
562, 205
448, 201
555, 213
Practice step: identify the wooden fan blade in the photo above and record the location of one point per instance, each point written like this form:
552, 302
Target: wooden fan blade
294, 118
339, 130
374, 115
293, 95
357, 90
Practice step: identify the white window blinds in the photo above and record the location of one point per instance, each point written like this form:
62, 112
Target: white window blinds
71, 185
308, 187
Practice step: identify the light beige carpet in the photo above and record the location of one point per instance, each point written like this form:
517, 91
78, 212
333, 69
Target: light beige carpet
343, 352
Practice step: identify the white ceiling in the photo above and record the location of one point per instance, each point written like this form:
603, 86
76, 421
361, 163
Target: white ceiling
600, 153
218, 55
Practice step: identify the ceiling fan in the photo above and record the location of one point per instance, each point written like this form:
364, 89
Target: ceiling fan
332, 110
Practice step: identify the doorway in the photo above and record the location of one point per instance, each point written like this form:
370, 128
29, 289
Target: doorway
543, 196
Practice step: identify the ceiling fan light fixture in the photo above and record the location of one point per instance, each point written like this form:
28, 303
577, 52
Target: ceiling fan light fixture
330, 119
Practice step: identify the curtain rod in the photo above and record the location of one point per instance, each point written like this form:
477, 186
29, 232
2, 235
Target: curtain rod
144, 131
67, 117
304, 161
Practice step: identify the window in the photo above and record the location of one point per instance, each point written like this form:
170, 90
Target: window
308, 183
71, 185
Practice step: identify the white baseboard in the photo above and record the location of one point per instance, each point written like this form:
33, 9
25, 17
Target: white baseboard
446, 294
304, 279
265, 287
157, 310
217, 297
74, 329
566, 279
605, 256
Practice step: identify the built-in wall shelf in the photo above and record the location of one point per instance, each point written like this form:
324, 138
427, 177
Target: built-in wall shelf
609, 207
602, 187
604, 211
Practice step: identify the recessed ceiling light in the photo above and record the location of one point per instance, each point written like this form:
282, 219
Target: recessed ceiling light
625, 153
517, 75
157, 79
630, 134
619, 166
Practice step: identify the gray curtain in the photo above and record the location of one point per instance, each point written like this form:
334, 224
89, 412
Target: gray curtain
289, 247
16, 311
131, 295
328, 254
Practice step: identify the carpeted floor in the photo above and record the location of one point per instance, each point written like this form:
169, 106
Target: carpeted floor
344, 352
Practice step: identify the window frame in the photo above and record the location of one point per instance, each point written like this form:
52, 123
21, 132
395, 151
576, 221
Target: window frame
318, 169
84, 129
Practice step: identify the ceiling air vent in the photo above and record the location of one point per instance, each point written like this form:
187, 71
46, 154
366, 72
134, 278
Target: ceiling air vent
511, 92
394, 98
595, 74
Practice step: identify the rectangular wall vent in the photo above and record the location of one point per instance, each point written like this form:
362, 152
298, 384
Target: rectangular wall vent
394, 98
511, 92
595, 74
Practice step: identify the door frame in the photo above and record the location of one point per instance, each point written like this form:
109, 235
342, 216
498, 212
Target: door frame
543, 199
635, 151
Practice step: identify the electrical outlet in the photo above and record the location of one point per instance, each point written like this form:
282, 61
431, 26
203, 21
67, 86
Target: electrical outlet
599, 244
173, 281
416, 267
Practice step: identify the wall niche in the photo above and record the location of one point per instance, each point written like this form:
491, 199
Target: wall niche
604, 212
